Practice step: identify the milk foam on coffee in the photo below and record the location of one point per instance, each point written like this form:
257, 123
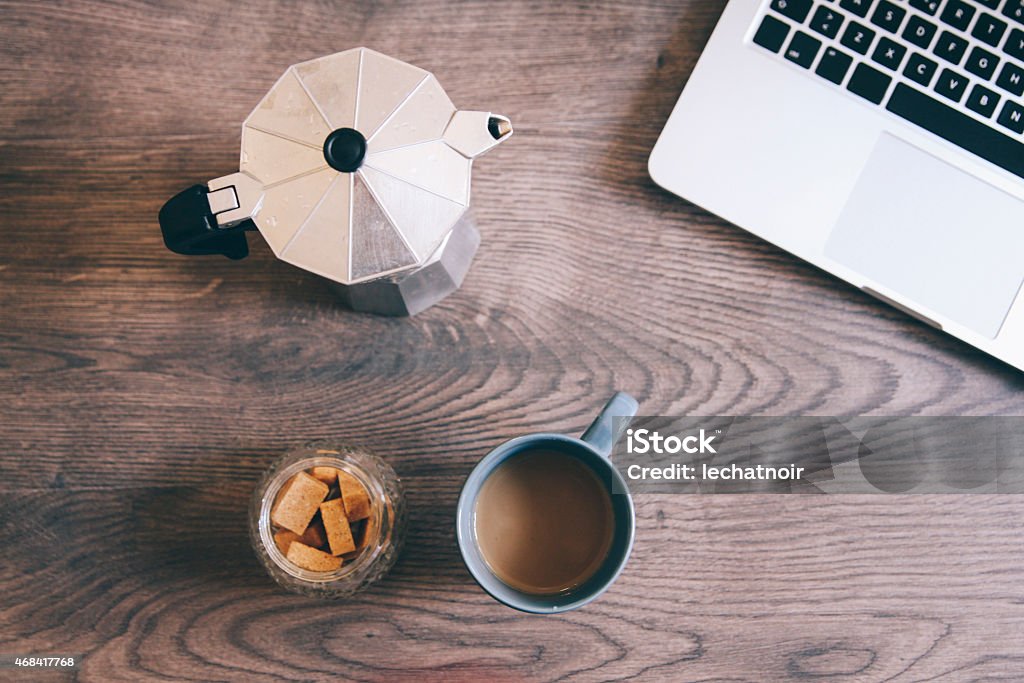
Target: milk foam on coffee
543, 522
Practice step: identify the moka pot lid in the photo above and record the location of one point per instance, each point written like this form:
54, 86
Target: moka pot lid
356, 166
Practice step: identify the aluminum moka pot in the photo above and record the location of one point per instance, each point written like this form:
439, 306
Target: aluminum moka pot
356, 167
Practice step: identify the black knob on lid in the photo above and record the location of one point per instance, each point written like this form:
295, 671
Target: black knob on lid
344, 149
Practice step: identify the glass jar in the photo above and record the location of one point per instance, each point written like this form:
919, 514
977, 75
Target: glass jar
387, 515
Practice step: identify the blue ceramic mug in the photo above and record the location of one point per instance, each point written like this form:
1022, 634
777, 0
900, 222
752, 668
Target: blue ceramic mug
593, 450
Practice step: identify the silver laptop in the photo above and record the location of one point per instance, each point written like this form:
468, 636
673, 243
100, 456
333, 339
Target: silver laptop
880, 140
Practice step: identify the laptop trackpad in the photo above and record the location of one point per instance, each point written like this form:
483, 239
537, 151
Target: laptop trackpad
933, 234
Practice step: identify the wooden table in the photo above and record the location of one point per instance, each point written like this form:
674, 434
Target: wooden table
143, 393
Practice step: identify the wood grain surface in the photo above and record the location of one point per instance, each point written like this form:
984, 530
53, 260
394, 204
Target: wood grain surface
142, 393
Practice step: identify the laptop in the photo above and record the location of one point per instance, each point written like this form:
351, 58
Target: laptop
880, 140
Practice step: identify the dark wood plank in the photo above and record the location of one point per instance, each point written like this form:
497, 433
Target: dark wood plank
142, 394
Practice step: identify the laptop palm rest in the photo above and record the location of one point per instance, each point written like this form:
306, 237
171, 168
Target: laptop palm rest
933, 234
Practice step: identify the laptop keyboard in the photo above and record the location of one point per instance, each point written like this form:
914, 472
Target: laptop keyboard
952, 67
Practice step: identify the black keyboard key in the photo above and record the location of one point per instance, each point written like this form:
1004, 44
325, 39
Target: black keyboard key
1012, 117
889, 53
950, 47
1015, 10
958, 128
982, 100
857, 37
797, 10
958, 14
1015, 44
869, 83
858, 7
803, 49
834, 65
989, 30
826, 21
888, 16
926, 6
919, 32
1011, 78
981, 63
771, 34
951, 85
920, 69
991, 4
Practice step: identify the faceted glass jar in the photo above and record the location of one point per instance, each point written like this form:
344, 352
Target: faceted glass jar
387, 515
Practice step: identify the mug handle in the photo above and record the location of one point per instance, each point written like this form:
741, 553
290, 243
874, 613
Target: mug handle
602, 433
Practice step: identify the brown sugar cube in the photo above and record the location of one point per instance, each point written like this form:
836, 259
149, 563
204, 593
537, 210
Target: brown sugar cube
357, 534
284, 538
358, 527
339, 535
357, 500
368, 535
327, 475
314, 536
312, 559
298, 502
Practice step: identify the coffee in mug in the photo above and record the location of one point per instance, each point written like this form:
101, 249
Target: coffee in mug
544, 522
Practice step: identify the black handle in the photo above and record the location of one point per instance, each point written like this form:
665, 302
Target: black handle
189, 227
